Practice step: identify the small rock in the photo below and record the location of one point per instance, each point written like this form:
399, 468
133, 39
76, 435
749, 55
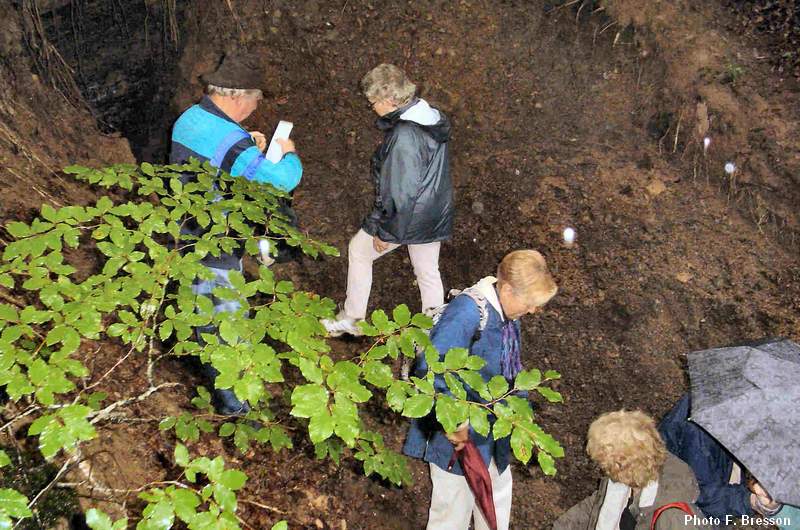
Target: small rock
319, 524
656, 187
477, 207
537, 105
683, 277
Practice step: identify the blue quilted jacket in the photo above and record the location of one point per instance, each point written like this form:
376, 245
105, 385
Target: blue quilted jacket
458, 328
710, 462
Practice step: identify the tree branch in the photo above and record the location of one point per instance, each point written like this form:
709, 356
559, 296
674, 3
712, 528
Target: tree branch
70, 461
103, 414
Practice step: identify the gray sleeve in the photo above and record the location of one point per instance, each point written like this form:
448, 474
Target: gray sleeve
580, 516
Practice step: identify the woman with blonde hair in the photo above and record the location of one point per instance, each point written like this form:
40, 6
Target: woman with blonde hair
484, 319
644, 486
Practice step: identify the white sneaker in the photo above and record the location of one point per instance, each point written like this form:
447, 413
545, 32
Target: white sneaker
342, 326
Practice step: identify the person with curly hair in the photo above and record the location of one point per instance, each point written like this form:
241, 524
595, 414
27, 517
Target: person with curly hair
643, 482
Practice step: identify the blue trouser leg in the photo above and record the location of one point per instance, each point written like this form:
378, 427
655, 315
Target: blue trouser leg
225, 400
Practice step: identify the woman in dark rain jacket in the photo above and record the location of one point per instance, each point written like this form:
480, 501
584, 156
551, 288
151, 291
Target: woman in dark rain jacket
413, 195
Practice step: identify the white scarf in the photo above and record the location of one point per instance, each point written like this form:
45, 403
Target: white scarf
616, 501
486, 288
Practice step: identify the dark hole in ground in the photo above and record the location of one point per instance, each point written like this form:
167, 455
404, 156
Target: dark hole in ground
125, 58
29, 475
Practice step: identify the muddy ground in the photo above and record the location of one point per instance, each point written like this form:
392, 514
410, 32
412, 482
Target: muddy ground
585, 115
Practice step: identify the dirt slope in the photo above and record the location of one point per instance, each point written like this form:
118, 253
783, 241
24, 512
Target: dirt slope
561, 118
42, 129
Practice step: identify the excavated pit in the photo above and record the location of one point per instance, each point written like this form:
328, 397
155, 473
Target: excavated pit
564, 115
124, 55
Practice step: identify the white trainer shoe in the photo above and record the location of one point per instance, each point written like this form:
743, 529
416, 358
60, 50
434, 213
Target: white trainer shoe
342, 326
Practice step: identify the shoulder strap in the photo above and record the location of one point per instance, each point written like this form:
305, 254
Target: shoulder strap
481, 301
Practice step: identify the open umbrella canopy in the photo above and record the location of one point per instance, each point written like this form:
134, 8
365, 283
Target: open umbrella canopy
746, 397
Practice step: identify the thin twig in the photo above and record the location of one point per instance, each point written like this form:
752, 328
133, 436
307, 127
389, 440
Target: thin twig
119, 417
102, 414
114, 491
120, 361
30, 155
244, 523
567, 4
20, 416
606, 27
263, 506
677, 130
13, 300
74, 458
578, 14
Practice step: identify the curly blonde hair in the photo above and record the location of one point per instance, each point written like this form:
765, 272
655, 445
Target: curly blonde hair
388, 82
627, 447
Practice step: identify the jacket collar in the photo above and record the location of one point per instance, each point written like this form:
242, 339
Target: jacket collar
486, 287
616, 500
209, 106
390, 120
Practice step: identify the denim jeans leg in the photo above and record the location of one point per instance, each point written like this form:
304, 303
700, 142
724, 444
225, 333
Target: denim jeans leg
225, 400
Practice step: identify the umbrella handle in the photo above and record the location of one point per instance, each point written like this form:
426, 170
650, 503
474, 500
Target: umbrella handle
452, 460
680, 505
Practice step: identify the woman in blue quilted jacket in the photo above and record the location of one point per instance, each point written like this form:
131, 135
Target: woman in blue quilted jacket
485, 320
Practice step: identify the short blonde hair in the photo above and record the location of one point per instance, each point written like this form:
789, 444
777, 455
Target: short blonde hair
627, 447
388, 82
527, 274
213, 90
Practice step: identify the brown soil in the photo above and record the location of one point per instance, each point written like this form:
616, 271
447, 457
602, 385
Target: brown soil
563, 116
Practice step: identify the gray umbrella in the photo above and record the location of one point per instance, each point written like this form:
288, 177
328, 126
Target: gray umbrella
747, 398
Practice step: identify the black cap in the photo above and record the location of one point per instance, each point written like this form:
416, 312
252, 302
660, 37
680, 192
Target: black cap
236, 71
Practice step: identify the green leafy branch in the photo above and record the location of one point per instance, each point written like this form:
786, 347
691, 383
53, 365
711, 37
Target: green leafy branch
494, 405
141, 297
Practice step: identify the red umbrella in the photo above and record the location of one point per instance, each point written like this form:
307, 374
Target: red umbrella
478, 479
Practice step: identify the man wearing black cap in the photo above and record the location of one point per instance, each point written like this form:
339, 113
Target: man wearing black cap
210, 131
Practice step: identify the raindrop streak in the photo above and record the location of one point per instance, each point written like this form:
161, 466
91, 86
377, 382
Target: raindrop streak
706, 143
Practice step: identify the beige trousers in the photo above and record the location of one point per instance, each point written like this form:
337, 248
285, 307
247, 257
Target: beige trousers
361, 254
453, 504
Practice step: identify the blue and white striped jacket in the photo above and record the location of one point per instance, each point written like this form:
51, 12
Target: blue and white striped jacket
206, 133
